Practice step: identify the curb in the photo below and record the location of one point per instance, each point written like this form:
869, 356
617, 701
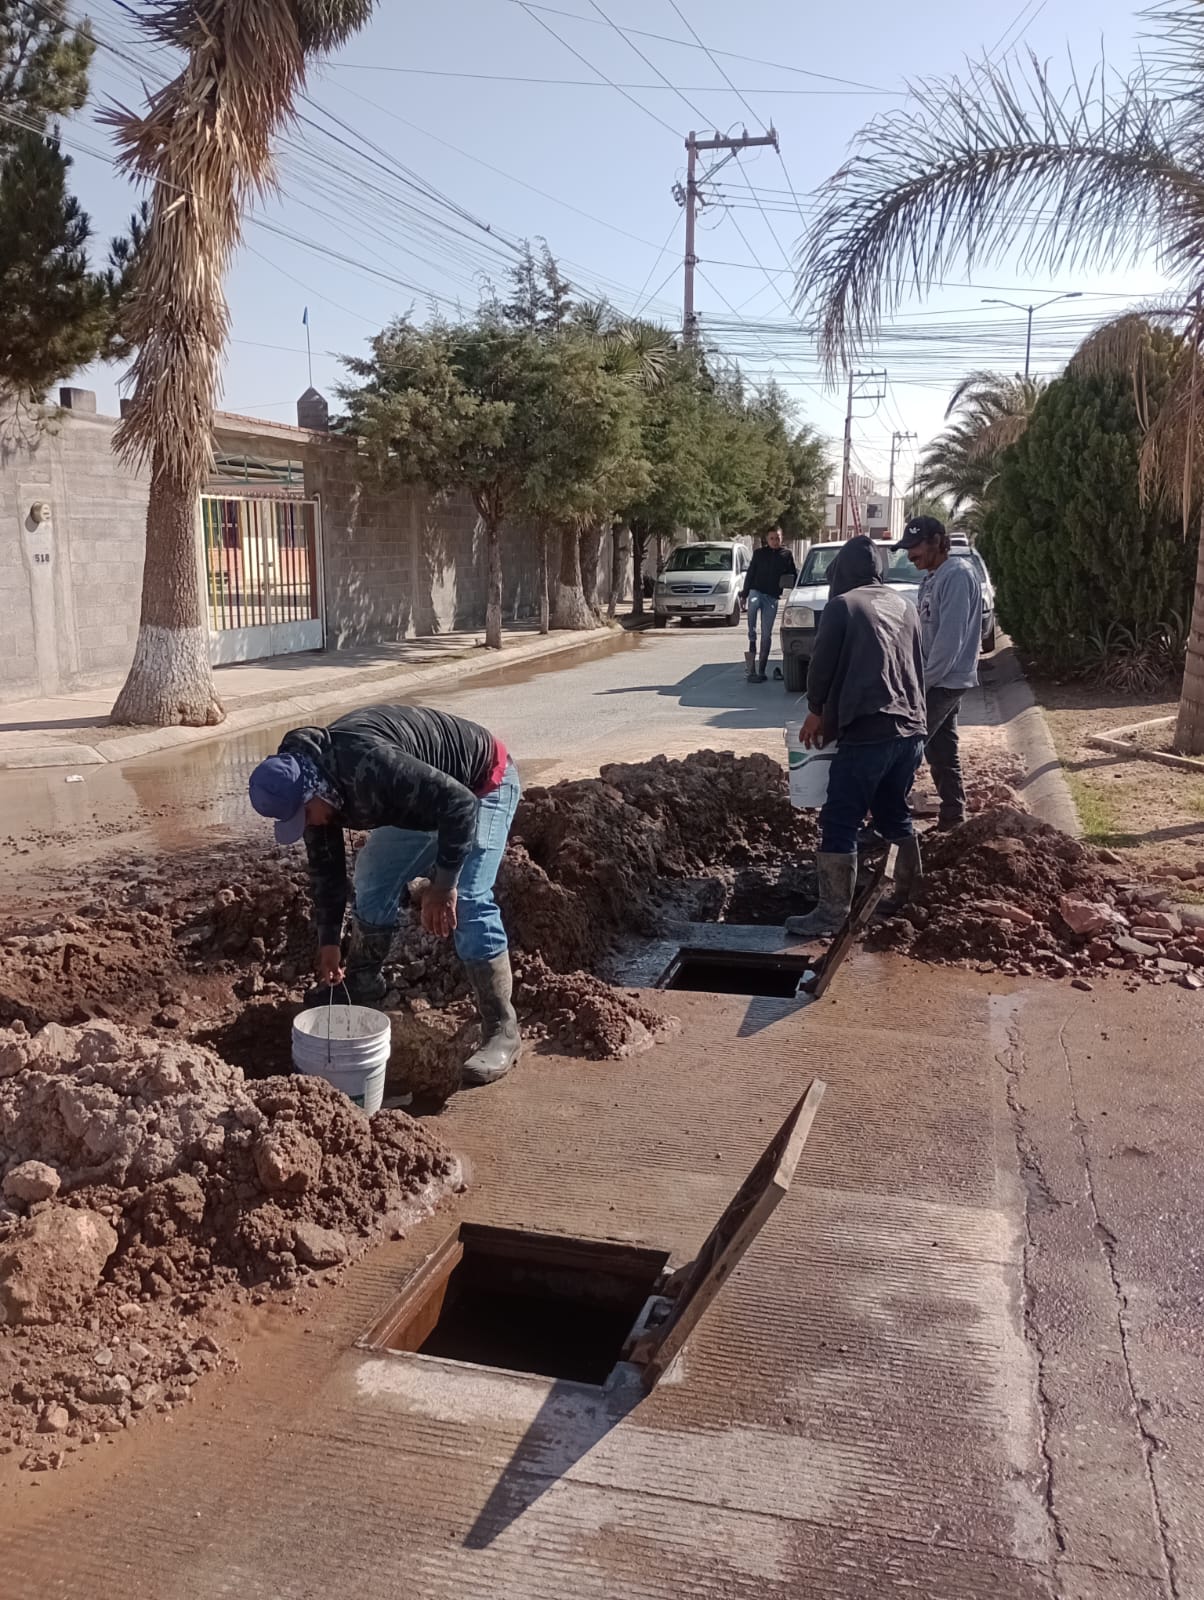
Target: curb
264, 713
1045, 790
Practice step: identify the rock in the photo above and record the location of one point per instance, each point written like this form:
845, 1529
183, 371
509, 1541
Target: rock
102, 1357
55, 1419
108, 1389
1165, 965
1099, 949
1190, 916
1084, 917
51, 1263
319, 1247
144, 1395
1192, 980
1081, 983
1003, 911
1165, 921
287, 1159
1133, 947
30, 1182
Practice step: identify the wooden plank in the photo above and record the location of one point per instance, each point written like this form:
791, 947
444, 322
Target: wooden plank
755, 1202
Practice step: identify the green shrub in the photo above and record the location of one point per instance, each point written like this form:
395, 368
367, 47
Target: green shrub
1079, 563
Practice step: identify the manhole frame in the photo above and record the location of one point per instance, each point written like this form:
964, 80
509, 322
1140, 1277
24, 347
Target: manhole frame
802, 967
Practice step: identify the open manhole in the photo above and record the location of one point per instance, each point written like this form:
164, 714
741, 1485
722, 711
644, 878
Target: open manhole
527, 1302
747, 972
573, 1309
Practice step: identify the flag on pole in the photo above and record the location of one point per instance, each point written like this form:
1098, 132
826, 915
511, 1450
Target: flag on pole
305, 318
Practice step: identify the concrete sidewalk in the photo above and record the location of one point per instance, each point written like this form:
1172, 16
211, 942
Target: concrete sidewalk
73, 730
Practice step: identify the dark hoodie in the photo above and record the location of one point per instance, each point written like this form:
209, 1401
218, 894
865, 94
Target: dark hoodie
867, 671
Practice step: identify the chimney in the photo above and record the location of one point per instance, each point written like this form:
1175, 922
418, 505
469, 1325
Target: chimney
79, 400
127, 405
313, 412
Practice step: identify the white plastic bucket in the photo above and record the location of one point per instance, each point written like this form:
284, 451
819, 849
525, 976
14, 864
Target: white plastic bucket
809, 770
349, 1047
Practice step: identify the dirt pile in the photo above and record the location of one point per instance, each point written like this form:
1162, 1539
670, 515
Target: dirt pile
1009, 892
169, 1185
590, 860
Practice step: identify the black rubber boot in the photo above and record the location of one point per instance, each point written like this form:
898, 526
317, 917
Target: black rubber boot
909, 875
493, 985
837, 881
367, 950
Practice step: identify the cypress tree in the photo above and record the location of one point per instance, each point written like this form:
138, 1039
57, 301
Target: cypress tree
1073, 550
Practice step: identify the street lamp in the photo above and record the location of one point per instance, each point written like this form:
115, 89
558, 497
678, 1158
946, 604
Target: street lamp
1071, 294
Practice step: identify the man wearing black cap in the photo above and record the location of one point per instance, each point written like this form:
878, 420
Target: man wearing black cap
438, 794
950, 607
865, 690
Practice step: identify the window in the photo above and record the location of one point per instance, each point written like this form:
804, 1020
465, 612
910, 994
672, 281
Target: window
700, 558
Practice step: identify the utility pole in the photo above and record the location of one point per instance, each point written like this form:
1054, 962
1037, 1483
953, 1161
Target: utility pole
896, 439
843, 509
691, 197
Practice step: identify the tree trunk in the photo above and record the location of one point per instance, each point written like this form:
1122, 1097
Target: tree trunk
591, 551
569, 609
170, 680
544, 623
639, 549
493, 594
1189, 729
616, 567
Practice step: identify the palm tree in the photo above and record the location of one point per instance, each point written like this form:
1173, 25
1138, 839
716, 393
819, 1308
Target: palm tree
205, 143
987, 412
1103, 171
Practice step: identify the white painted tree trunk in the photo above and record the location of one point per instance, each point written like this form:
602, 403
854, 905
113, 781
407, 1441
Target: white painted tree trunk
170, 681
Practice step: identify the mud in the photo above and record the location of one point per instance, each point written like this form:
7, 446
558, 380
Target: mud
179, 1187
1010, 893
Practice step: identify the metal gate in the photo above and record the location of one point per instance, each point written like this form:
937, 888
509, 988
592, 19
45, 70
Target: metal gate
262, 578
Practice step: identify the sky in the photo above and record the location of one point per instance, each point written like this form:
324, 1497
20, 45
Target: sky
425, 153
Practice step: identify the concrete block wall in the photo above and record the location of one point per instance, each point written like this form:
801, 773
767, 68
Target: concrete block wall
69, 584
395, 565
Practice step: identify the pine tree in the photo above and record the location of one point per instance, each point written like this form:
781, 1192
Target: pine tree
55, 313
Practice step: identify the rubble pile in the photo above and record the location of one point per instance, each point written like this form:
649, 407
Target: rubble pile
1011, 893
146, 1183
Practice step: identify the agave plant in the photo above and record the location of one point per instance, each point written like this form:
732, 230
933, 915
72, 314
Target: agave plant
1102, 170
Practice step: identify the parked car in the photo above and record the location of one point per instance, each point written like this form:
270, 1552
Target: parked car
701, 580
806, 601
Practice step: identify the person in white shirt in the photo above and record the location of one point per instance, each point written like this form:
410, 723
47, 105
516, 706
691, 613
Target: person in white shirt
950, 607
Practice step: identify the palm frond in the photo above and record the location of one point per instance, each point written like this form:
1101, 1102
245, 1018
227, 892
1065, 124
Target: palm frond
978, 168
205, 142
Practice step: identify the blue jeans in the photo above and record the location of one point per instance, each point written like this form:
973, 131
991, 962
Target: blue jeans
393, 857
869, 778
766, 607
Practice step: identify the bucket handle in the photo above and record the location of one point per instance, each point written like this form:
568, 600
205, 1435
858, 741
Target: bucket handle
330, 1012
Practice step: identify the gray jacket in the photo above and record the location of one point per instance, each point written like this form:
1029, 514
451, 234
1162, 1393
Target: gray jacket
867, 675
950, 607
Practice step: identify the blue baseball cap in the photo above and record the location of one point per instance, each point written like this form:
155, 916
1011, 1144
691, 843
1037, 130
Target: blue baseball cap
278, 791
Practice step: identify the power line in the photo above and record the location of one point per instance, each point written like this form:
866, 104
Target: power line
548, 28
585, 83
731, 55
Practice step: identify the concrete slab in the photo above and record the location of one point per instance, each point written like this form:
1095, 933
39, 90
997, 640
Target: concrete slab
859, 1408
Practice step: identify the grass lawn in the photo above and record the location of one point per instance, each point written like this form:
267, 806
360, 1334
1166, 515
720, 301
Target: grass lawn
1143, 810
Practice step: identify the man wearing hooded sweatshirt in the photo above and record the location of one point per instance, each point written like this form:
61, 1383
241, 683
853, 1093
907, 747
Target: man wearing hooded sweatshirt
865, 690
438, 795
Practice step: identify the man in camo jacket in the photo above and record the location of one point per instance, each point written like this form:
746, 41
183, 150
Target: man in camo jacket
438, 795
